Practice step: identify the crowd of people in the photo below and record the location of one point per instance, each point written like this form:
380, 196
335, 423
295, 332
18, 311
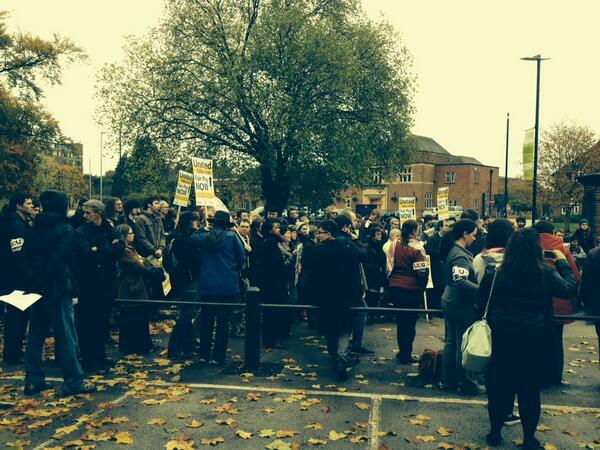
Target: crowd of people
80, 263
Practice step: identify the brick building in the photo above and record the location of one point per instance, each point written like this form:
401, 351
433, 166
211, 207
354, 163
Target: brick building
432, 167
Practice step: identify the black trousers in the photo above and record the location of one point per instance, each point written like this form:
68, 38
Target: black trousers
92, 315
214, 321
134, 330
557, 361
15, 326
406, 322
515, 369
276, 322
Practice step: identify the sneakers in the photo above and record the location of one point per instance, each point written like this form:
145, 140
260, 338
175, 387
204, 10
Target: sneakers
511, 420
361, 351
85, 388
340, 368
34, 388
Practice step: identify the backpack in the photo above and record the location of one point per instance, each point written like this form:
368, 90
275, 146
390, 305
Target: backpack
430, 365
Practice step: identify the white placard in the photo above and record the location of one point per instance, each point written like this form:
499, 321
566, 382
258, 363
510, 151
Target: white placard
203, 181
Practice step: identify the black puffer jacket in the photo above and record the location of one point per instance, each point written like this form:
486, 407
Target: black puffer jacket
517, 309
15, 269
50, 251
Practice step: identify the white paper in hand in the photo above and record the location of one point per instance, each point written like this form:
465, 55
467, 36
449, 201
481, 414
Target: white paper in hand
20, 299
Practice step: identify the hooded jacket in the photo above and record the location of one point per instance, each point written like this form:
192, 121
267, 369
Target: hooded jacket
50, 251
222, 258
488, 257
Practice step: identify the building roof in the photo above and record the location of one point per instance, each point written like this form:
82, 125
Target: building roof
432, 152
427, 144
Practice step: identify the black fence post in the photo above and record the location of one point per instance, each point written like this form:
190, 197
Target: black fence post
252, 342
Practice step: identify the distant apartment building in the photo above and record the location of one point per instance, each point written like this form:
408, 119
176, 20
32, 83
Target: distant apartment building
68, 154
471, 184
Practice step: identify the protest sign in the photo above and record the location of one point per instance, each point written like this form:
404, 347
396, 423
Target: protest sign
184, 186
442, 203
407, 207
203, 181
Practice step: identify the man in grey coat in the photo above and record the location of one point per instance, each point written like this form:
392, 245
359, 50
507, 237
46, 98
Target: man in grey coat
149, 233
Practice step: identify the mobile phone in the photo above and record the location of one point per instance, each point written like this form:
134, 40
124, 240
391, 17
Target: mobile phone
549, 254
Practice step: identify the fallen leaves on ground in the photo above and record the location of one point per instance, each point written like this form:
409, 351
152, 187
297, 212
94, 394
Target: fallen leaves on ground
195, 424
157, 421
180, 445
315, 441
335, 436
243, 434
123, 438
212, 441
362, 405
314, 426
228, 421
424, 438
443, 431
279, 445
267, 433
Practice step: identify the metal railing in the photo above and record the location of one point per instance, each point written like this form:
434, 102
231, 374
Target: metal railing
252, 308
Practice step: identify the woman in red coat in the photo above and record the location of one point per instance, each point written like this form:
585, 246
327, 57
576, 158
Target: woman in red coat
407, 283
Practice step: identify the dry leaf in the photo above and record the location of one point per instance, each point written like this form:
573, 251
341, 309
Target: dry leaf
543, 428
314, 426
359, 439
60, 432
123, 438
279, 445
267, 433
335, 436
212, 441
285, 434
443, 431
180, 445
252, 396
362, 405
228, 421
243, 434
184, 415
445, 446
315, 441
19, 444
550, 447
426, 438
158, 421
195, 424
268, 410
208, 401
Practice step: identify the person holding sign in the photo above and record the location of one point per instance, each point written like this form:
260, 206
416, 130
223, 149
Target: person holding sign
407, 284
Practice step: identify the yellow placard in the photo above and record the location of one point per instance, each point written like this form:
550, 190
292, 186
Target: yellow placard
203, 181
407, 208
184, 186
442, 203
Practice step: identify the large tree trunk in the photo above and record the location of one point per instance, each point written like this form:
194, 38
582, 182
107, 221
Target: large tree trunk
275, 190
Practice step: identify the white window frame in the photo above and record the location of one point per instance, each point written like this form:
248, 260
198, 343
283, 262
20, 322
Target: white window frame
450, 177
405, 175
428, 200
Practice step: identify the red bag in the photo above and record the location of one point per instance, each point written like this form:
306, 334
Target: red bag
430, 365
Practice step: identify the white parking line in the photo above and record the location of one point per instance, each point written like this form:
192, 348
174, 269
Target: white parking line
374, 420
368, 395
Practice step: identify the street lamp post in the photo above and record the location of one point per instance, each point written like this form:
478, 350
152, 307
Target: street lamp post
102, 133
538, 59
506, 168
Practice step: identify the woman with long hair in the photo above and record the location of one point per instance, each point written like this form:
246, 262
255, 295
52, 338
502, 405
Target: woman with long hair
132, 269
458, 303
407, 283
520, 316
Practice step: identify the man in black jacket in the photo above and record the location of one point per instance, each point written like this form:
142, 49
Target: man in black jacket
333, 270
150, 237
15, 230
97, 251
590, 288
349, 239
50, 251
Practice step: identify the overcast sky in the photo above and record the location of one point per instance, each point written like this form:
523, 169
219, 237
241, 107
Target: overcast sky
466, 58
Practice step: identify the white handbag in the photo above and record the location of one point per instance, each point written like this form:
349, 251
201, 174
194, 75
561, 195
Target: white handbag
476, 345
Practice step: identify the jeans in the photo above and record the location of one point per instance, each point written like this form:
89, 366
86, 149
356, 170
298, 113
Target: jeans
57, 312
335, 340
358, 326
458, 319
212, 317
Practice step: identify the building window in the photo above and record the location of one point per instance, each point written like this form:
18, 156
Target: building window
477, 176
348, 202
450, 177
476, 204
428, 199
377, 177
452, 203
406, 175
